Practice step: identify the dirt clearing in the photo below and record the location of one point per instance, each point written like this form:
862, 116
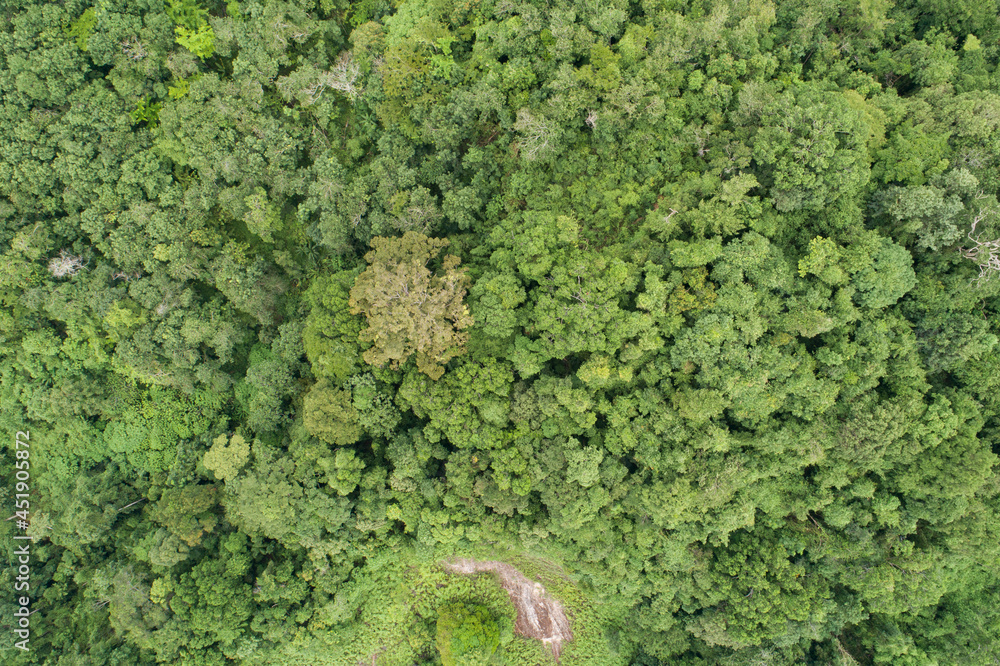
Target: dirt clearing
538, 615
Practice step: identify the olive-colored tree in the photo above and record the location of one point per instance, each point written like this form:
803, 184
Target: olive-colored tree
409, 309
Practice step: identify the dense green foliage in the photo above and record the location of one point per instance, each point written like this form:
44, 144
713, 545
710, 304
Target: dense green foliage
466, 634
690, 300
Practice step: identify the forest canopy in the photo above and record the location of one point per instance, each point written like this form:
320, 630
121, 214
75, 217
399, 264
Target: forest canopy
686, 309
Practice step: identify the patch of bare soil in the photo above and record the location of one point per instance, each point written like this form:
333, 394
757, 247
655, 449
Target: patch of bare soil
538, 615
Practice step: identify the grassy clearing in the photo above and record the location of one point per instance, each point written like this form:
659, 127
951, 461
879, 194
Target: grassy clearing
401, 631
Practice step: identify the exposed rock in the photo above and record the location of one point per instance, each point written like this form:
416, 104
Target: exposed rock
538, 615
